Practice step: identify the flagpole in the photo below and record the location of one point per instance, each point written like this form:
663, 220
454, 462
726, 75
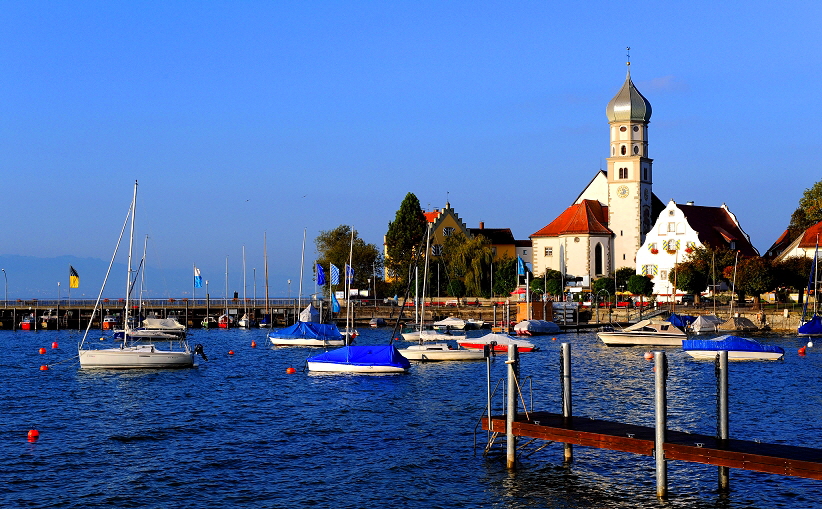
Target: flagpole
194, 286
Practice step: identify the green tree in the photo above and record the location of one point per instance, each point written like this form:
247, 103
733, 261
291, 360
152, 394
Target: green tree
333, 247
469, 259
604, 284
405, 237
623, 274
754, 276
808, 212
640, 285
456, 288
792, 273
714, 263
505, 276
690, 277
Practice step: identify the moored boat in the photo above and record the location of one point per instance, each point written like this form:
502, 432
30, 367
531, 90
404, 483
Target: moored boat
739, 349
441, 352
644, 333
307, 334
499, 343
536, 327
360, 359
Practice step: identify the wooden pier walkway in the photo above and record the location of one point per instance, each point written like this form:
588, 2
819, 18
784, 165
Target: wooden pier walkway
779, 459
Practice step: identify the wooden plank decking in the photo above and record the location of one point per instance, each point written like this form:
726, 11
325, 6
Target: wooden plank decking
747, 455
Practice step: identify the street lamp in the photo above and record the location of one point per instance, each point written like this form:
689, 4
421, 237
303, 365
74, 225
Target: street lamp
6, 304
289, 288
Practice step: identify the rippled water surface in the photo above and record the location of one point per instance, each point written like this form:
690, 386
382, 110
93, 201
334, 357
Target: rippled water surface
239, 432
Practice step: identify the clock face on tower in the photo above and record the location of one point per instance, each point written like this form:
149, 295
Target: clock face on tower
622, 191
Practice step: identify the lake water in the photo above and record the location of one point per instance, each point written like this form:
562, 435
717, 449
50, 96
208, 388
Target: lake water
239, 432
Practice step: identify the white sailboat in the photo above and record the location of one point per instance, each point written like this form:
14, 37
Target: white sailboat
135, 352
811, 325
245, 321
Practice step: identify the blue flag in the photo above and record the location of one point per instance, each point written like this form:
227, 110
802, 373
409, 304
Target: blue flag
320, 275
335, 306
520, 267
349, 274
335, 275
198, 279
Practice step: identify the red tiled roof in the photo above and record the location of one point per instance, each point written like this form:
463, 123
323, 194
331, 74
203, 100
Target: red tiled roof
431, 216
716, 228
586, 217
809, 238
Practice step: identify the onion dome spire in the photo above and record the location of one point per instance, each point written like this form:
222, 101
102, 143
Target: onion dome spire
628, 105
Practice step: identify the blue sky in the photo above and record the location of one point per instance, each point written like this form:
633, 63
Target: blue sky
240, 118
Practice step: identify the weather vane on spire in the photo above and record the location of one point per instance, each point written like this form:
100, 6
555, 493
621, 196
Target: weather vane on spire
628, 54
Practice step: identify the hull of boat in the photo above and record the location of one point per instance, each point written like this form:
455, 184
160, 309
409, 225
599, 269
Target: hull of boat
142, 357
498, 347
429, 335
333, 367
306, 342
633, 339
440, 352
709, 355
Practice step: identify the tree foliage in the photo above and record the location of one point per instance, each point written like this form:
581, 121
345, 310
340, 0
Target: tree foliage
753, 277
622, 275
792, 273
333, 247
808, 212
469, 260
604, 284
691, 277
405, 236
549, 283
640, 285
505, 276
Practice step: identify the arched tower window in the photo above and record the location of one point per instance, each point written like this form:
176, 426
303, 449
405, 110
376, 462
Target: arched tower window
598, 259
624, 150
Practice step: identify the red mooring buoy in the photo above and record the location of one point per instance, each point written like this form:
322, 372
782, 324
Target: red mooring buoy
802, 351
42, 350
231, 352
44, 368
649, 356
54, 345
290, 371
253, 344
33, 435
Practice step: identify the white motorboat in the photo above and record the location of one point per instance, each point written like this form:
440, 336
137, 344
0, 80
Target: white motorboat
739, 349
430, 335
452, 322
140, 349
498, 342
307, 334
644, 333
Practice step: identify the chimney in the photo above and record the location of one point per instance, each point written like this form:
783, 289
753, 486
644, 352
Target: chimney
482, 225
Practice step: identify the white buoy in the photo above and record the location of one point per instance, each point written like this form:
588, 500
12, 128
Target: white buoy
810, 343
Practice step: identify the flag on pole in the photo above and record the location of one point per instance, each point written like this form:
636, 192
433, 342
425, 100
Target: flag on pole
335, 275
349, 274
335, 305
198, 279
320, 275
520, 267
74, 278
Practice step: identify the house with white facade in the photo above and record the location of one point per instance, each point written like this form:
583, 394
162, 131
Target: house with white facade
680, 229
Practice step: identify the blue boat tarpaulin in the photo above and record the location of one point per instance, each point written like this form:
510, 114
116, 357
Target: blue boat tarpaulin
364, 355
812, 327
303, 330
681, 320
729, 343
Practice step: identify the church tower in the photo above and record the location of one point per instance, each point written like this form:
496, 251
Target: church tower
630, 173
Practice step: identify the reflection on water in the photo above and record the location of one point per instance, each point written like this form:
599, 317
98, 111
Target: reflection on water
238, 431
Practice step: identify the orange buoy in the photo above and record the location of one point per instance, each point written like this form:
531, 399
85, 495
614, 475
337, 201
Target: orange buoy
253, 344
33, 434
553, 339
649, 355
290, 371
231, 352
44, 368
42, 350
802, 351
54, 345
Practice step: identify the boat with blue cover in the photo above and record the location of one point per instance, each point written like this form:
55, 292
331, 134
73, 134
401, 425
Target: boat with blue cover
307, 334
738, 348
812, 327
360, 359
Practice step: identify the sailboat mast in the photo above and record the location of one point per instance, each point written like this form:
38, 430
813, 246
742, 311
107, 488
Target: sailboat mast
302, 267
128, 272
142, 276
425, 279
245, 303
265, 261
348, 310
225, 299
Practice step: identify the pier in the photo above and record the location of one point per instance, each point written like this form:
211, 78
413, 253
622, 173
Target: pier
658, 441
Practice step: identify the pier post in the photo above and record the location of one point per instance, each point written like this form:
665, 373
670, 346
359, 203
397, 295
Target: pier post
486, 352
723, 433
661, 422
566, 397
511, 407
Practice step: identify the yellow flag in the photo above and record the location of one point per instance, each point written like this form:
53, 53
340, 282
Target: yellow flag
74, 278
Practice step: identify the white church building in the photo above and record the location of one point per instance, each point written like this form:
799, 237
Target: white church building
606, 225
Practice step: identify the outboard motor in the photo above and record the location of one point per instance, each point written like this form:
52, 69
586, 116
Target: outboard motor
198, 350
